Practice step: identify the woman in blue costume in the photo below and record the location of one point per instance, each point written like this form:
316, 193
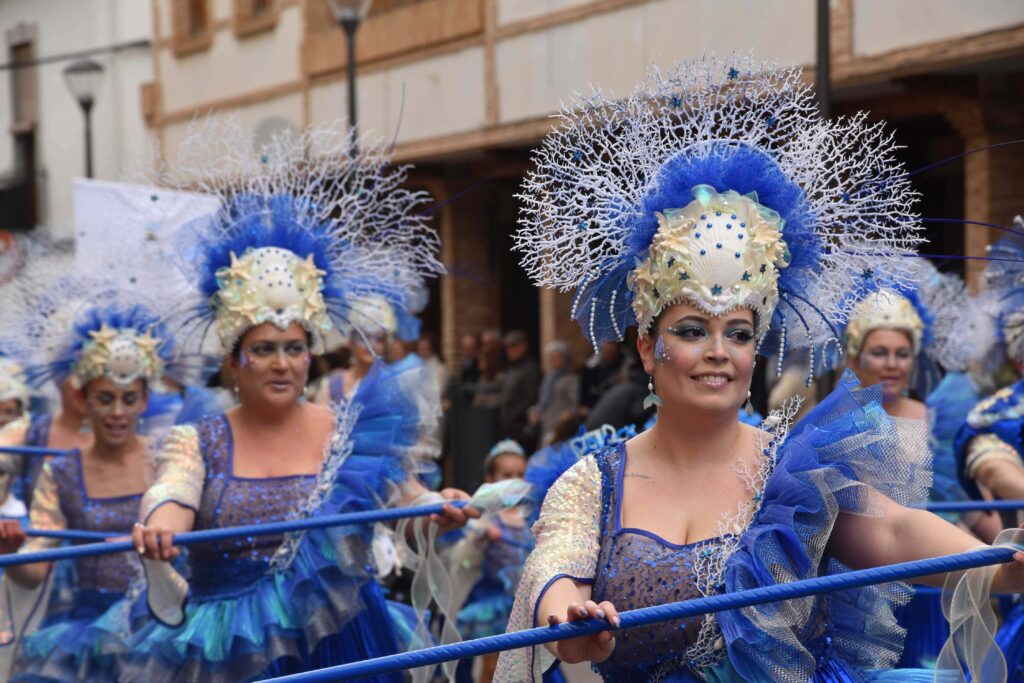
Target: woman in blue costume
714, 209
111, 354
31, 306
14, 416
898, 338
988, 447
280, 263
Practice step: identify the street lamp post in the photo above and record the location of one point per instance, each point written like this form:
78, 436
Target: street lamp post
349, 14
83, 80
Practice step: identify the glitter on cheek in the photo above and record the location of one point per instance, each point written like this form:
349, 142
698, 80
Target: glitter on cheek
660, 352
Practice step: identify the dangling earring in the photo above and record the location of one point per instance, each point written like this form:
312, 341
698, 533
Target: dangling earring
749, 408
652, 398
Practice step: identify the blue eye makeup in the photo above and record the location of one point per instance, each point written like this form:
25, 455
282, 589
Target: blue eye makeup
688, 331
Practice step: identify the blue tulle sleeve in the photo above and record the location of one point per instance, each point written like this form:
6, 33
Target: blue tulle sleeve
838, 458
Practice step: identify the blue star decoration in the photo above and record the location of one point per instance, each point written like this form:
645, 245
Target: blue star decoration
746, 276
867, 274
153, 198
684, 276
733, 74
677, 101
772, 121
716, 290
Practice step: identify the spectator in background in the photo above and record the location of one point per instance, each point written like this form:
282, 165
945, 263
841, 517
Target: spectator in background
398, 349
559, 391
426, 349
602, 371
490, 345
470, 370
487, 389
518, 389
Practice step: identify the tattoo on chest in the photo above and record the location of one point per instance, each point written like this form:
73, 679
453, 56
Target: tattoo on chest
636, 475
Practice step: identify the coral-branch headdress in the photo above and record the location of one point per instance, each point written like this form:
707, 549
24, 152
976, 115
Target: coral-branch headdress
305, 228
86, 328
716, 183
13, 382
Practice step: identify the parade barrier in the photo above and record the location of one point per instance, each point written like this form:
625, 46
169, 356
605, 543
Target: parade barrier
975, 505
226, 533
38, 451
193, 537
648, 615
74, 534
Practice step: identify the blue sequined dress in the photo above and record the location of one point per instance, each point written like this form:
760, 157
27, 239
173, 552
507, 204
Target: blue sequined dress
79, 640
833, 460
922, 617
994, 429
267, 606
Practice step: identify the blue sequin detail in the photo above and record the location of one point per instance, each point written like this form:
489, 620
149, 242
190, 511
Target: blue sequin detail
635, 569
233, 501
101, 573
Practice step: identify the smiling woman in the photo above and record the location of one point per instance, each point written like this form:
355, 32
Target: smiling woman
717, 212
111, 354
284, 260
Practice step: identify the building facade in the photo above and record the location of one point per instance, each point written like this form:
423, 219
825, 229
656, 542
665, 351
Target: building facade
467, 87
42, 142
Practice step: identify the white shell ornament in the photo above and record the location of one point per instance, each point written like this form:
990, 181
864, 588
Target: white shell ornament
269, 285
722, 251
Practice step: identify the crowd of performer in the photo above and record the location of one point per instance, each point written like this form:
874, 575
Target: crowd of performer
711, 218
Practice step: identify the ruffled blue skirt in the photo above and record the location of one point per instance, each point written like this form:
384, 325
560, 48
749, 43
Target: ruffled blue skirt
485, 613
321, 607
81, 644
1010, 639
927, 628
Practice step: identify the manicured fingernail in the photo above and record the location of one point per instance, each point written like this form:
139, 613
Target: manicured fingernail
583, 611
616, 621
141, 549
600, 614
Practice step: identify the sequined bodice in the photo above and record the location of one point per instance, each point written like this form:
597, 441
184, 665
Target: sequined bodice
103, 573
228, 500
637, 568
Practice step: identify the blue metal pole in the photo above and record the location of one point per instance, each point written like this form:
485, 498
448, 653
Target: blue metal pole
649, 615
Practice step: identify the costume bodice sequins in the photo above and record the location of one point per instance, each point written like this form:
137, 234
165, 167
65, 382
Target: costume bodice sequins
103, 573
637, 568
228, 500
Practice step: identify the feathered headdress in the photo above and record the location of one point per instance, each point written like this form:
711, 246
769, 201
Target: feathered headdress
1004, 278
719, 184
86, 328
306, 227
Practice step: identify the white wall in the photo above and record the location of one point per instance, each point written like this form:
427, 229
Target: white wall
537, 71
231, 66
120, 137
443, 95
884, 25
